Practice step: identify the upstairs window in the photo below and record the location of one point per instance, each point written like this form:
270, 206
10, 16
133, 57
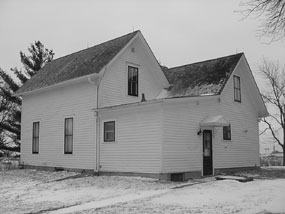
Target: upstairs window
133, 81
109, 131
36, 137
237, 92
227, 132
68, 136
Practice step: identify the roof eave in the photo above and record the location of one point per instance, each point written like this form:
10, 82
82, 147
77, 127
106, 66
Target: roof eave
227, 79
64, 83
162, 100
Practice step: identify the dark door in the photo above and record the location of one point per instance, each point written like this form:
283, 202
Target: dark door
207, 153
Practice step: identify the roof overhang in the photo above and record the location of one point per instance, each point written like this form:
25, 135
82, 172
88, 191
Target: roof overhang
92, 78
155, 101
214, 121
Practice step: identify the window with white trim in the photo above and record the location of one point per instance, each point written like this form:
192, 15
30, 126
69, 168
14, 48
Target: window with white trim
237, 90
36, 137
133, 81
227, 132
68, 135
109, 131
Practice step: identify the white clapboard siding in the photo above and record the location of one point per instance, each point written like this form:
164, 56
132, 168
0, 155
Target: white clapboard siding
244, 147
114, 85
50, 108
182, 147
138, 143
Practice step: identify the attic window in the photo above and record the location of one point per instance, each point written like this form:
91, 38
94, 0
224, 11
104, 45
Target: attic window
133, 81
237, 90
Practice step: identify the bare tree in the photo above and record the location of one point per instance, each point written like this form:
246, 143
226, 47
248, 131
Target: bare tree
274, 98
273, 11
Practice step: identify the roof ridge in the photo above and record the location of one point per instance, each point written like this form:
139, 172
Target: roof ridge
135, 32
208, 60
77, 64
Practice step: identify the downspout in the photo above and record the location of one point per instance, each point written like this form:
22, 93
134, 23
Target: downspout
97, 169
97, 142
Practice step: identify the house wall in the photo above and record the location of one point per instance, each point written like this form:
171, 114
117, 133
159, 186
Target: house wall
114, 85
182, 147
138, 142
50, 108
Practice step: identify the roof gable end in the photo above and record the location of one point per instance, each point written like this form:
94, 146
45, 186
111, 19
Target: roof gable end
82, 63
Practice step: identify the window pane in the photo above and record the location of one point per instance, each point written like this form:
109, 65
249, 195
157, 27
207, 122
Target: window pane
238, 82
110, 135
35, 129
69, 126
68, 144
37, 145
109, 126
135, 75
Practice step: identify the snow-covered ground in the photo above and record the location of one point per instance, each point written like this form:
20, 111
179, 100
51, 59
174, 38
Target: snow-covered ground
30, 191
274, 167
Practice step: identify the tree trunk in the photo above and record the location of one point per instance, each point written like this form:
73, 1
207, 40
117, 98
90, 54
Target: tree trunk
283, 147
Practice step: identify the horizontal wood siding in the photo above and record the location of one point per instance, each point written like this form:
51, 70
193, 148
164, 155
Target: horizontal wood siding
138, 143
243, 150
182, 147
114, 85
50, 108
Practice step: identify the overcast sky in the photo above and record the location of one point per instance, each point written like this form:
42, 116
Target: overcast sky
178, 31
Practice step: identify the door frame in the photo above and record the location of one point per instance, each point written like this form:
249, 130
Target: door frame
212, 162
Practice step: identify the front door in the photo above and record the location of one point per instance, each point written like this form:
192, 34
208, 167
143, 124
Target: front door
207, 153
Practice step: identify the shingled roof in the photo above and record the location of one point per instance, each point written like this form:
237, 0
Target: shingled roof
81, 63
201, 78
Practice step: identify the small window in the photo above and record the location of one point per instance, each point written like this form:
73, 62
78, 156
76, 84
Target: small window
68, 136
237, 92
227, 132
36, 137
133, 81
109, 131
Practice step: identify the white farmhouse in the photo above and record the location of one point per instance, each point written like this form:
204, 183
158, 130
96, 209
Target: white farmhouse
113, 109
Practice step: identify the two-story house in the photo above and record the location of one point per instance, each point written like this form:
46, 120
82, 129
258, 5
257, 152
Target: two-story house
113, 109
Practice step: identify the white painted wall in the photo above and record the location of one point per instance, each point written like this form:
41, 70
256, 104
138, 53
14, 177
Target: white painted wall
50, 108
140, 130
182, 147
114, 85
138, 143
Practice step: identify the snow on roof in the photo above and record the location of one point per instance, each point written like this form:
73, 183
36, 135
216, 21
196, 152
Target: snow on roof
217, 120
201, 78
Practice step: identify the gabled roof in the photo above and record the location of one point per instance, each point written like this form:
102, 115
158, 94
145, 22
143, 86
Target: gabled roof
201, 78
78, 64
